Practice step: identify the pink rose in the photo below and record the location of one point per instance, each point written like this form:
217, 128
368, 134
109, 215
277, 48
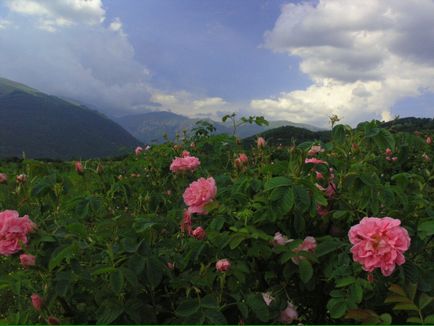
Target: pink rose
36, 301
53, 320
199, 233
288, 315
200, 193
27, 260
389, 152
184, 163
315, 150
186, 223
260, 142
329, 191
267, 298
242, 160
13, 231
171, 265
3, 178
223, 265
426, 158
314, 161
138, 150
319, 175
321, 210
21, 178
308, 244
379, 243
394, 159
79, 167
388, 158
280, 239
428, 140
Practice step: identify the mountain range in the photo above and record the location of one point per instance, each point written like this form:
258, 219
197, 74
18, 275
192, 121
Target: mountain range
151, 127
38, 125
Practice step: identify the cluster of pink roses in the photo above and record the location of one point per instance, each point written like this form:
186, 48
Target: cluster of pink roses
308, 244
389, 155
241, 161
184, 163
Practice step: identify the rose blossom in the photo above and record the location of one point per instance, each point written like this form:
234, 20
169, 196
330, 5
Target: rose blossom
200, 193
138, 150
199, 233
223, 265
321, 210
389, 152
79, 167
308, 244
53, 320
267, 298
241, 160
13, 231
314, 161
186, 223
379, 243
426, 158
428, 140
184, 163
260, 142
3, 178
21, 178
288, 315
280, 239
36, 301
27, 260
315, 150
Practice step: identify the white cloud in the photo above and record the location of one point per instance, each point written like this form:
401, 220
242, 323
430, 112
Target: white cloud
4, 24
116, 25
57, 13
362, 56
185, 103
62, 47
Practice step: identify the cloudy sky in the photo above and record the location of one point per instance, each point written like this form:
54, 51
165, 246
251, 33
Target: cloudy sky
287, 60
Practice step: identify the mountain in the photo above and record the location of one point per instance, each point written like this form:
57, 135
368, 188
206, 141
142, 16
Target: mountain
151, 126
44, 126
287, 134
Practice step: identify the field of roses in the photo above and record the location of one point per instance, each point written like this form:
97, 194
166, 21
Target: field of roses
204, 230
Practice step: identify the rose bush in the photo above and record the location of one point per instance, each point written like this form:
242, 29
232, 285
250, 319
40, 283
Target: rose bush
290, 237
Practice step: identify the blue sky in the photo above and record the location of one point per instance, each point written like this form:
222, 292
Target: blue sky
287, 60
209, 47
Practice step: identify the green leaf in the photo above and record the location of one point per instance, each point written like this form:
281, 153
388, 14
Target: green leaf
356, 293
187, 308
338, 309
386, 318
395, 288
236, 241
117, 281
327, 247
345, 281
429, 320
258, 306
426, 229
110, 313
153, 271
406, 306
59, 256
305, 270
397, 298
215, 317
277, 182
288, 200
424, 300
414, 320
103, 270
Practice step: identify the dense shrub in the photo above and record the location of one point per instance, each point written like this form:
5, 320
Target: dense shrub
116, 243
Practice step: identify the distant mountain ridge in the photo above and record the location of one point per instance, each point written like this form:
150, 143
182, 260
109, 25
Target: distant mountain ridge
44, 126
151, 126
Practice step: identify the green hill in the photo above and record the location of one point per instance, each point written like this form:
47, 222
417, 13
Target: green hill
43, 126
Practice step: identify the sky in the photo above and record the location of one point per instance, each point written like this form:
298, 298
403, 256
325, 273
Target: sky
300, 61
